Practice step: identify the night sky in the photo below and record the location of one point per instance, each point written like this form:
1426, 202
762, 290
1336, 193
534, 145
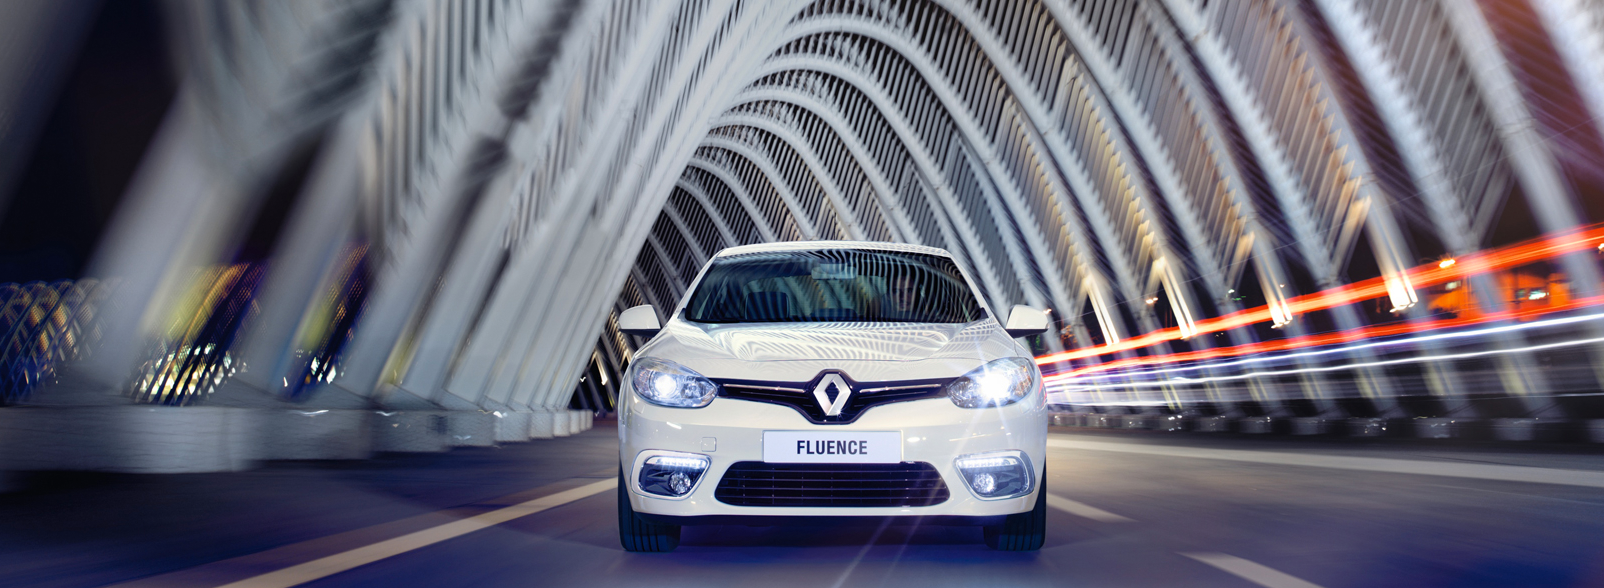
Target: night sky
106, 111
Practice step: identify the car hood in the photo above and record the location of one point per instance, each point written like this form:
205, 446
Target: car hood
833, 342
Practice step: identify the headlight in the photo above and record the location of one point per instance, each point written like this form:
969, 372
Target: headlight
667, 383
999, 383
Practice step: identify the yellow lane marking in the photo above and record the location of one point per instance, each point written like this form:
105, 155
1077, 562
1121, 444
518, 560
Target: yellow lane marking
339, 562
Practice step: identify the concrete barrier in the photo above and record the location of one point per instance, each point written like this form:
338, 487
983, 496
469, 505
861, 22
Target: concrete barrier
1367, 427
316, 434
514, 426
129, 438
1434, 428
562, 423
1212, 424
1310, 426
1258, 425
1169, 422
1504, 429
542, 424
476, 428
412, 431
1514, 429
1136, 421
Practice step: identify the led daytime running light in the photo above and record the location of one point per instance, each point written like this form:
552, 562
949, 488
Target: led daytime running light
986, 462
668, 461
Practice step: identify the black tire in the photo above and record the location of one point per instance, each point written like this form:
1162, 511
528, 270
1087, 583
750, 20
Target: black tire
640, 535
1025, 531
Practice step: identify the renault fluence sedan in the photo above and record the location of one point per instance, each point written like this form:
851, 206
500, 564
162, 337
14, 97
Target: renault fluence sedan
832, 379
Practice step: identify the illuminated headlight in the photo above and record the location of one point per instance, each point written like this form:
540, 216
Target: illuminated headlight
999, 383
672, 475
994, 476
670, 384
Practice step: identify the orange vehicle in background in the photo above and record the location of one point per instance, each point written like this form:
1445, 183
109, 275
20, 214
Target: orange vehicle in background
1520, 289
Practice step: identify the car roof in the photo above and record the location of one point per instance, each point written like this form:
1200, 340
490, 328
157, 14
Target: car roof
818, 245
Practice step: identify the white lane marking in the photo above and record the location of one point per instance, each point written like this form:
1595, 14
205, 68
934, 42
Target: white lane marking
339, 562
1522, 495
1252, 572
1504, 473
1082, 509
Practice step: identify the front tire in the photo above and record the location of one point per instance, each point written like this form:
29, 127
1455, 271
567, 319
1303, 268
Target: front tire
637, 534
1025, 531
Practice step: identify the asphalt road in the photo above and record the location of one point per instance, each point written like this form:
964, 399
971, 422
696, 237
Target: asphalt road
1138, 509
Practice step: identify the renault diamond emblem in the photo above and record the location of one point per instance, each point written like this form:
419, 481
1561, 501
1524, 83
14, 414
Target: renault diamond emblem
822, 394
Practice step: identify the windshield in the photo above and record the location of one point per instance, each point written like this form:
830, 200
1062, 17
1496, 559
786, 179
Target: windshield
833, 285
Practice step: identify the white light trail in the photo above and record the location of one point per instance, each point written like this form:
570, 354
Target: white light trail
1059, 389
1335, 350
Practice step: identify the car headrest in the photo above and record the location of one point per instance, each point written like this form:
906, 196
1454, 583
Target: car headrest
769, 306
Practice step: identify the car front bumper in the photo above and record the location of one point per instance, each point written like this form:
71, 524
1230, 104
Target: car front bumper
728, 431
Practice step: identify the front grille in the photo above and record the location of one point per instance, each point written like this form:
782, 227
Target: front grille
755, 483
799, 395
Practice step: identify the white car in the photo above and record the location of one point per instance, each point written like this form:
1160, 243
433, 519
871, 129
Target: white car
832, 379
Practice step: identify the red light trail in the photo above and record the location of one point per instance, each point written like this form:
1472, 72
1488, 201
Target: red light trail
1327, 338
1588, 238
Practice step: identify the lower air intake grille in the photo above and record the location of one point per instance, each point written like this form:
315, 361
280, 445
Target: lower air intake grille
755, 483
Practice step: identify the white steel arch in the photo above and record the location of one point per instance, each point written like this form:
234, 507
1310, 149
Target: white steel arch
528, 170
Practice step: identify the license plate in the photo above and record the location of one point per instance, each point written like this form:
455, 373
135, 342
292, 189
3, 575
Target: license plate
832, 447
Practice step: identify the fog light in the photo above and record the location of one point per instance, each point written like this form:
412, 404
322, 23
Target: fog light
985, 484
997, 475
672, 475
679, 483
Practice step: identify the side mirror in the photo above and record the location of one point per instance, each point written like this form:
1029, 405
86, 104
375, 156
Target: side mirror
1024, 321
640, 321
